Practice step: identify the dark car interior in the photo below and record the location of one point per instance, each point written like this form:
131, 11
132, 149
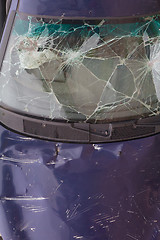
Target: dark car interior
4, 9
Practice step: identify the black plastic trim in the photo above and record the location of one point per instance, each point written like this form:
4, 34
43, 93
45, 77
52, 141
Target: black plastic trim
79, 132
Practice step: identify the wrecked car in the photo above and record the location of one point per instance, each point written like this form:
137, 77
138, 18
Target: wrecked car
80, 120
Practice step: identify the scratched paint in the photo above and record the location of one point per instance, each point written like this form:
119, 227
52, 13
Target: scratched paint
90, 192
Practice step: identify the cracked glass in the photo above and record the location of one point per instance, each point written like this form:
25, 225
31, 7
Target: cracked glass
81, 70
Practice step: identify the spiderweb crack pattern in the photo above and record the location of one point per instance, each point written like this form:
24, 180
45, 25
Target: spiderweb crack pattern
83, 70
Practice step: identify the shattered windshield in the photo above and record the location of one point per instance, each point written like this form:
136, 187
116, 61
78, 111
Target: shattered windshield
82, 70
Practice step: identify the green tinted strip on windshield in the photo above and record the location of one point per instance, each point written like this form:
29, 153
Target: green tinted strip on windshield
30, 28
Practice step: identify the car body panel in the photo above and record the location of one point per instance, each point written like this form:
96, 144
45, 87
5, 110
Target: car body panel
90, 8
107, 191
65, 191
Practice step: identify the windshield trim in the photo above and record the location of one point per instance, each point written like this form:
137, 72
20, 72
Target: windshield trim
79, 132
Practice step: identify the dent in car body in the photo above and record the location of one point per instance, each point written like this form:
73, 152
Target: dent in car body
81, 191
98, 191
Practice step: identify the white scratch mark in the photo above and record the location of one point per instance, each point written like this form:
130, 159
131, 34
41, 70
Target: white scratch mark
97, 147
74, 211
106, 218
33, 229
36, 209
77, 237
142, 192
58, 186
21, 198
24, 227
24, 161
128, 235
130, 211
139, 210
